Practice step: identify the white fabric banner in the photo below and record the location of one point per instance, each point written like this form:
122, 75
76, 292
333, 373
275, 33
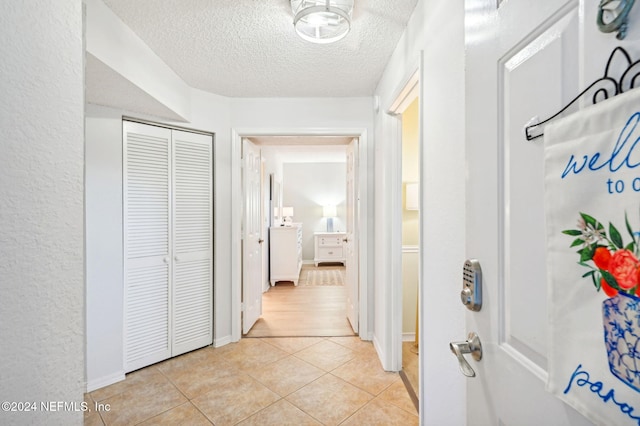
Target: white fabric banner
592, 203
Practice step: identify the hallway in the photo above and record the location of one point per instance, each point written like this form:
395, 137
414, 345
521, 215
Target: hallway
315, 307
266, 381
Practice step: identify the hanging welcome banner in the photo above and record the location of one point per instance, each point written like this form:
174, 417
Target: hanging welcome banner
592, 203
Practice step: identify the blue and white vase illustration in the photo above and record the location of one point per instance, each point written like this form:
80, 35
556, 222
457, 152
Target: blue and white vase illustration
613, 266
621, 320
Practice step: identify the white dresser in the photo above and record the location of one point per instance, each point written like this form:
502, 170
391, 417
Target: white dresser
329, 247
285, 253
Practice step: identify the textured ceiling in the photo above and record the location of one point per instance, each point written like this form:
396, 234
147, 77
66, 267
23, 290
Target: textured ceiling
249, 48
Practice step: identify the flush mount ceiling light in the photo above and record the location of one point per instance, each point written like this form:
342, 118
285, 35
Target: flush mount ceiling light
322, 21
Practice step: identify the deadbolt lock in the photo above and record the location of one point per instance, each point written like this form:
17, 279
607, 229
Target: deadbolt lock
471, 294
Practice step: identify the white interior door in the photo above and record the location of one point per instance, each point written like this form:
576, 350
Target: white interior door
147, 244
524, 59
192, 241
168, 242
252, 241
350, 246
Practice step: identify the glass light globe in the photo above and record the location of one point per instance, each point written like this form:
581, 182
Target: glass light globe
322, 21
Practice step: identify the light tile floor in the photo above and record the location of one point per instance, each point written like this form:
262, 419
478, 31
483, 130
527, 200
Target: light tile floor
267, 381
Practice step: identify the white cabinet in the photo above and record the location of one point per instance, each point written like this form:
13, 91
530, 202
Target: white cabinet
168, 243
285, 253
329, 247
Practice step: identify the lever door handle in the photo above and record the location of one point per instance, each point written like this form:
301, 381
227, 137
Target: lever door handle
471, 346
260, 241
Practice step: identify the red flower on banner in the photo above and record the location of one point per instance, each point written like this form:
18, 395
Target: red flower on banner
615, 266
624, 267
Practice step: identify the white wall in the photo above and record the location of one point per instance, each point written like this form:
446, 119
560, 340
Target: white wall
105, 286
292, 113
41, 208
442, 387
307, 187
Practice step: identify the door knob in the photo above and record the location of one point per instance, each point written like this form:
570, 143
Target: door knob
471, 346
260, 241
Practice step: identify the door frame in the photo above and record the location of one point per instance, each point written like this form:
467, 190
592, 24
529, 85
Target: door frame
236, 217
407, 90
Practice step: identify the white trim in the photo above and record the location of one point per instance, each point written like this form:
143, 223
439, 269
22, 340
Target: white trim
222, 341
525, 361
378, 348
236, 235
405, 94
422, 277
394, 302
411, 249
236, 216
409, 337
407, 91
105, 381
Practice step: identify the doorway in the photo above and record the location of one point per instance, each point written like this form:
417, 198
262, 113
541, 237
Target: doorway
360, 244
304, 285
406, 109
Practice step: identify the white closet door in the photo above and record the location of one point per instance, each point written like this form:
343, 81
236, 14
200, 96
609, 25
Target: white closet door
147, 265
193, 241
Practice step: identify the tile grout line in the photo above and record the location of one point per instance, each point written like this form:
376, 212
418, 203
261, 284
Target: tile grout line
169, 409
300, 408
353, 355
190, 400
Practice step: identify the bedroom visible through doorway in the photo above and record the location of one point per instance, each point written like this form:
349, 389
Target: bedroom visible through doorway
315, 307
302, 178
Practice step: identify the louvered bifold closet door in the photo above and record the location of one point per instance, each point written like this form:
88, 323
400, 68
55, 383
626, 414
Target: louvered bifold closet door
147, 244
193, 241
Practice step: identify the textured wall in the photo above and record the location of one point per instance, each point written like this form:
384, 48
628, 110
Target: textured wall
41, 208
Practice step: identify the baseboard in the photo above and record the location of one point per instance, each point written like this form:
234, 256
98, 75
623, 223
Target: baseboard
308, 262
379, 351
221, 341
105, 381
409, 337
368, 337
411, 249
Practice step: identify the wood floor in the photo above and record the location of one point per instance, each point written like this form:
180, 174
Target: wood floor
315, 311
